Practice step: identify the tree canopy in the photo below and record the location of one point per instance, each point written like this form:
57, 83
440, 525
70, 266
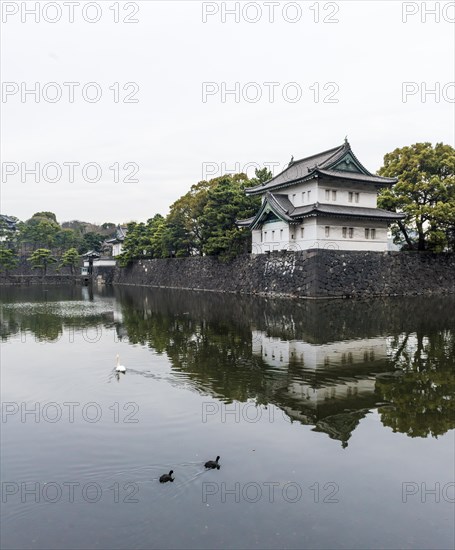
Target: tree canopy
8, 259
201, 222
425, 193
41, 259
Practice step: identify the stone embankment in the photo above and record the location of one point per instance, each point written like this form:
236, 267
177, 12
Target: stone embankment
305, 274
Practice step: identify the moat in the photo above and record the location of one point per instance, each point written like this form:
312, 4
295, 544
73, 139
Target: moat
334, 420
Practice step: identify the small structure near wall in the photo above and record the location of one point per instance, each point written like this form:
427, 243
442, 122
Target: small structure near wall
116, 243
94, 263
8, 227
327, 200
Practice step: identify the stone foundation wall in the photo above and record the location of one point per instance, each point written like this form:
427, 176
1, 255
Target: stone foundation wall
37, 279
305, 274
24, 274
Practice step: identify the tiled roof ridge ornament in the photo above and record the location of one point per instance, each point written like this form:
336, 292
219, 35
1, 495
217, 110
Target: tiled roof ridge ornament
291, 161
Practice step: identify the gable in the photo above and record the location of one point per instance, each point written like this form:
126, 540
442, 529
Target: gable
270, 217
348, 164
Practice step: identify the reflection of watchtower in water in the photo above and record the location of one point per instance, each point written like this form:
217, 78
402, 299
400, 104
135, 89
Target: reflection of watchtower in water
329, 385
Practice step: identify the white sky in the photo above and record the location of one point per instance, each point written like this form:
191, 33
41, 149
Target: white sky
170, 133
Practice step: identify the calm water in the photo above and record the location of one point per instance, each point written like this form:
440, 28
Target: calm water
334, 421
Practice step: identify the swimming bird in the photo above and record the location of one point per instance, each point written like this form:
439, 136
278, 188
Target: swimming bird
119, 367
213, 463
167, 477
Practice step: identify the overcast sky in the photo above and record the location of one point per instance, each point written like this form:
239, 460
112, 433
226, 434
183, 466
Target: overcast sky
337, 68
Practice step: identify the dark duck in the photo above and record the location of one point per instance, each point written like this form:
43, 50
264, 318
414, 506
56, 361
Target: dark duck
213, 464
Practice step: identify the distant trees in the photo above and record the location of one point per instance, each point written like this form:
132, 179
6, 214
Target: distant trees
70, 258
8, 259
41, 259
39, 231
143, 239
43, 231
425, 193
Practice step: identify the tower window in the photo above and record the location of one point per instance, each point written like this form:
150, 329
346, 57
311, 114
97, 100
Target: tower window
334, 195
350, 196
303, 196
356, 196
351, 232
327, 231
344, 232
327, 194
367, 233
302, 232
373, 233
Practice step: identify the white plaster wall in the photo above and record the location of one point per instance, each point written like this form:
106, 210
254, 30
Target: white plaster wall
317, 188
98, 263
314, 236
345, 389
336, 241
295, 193
367, 199
275, 236
277, 352
116, 249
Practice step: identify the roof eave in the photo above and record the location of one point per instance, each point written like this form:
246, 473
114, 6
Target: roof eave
263, 189
385, 183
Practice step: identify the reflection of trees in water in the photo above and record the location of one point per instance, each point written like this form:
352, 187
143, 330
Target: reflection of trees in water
47, 326
422, 389
208, 339
215, 354
40, 311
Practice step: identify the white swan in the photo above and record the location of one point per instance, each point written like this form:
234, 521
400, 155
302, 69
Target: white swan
119, 367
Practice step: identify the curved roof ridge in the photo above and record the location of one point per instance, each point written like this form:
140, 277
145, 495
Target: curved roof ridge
335, 149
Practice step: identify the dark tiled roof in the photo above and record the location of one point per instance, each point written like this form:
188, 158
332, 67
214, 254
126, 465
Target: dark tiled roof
91, 253
309, 167
8, 221
244, 223
121, 232
283, 207
357, 177
299, 169
282, 201
339, 210
120, 235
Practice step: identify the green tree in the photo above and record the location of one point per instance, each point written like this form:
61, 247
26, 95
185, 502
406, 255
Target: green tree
133, 243
71, 259
41, 259
262, 175
47, 215
39, 231
422, 391
183, 235
143, 240
91, 241
8, 259
227, 203
66, 239
425, 193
